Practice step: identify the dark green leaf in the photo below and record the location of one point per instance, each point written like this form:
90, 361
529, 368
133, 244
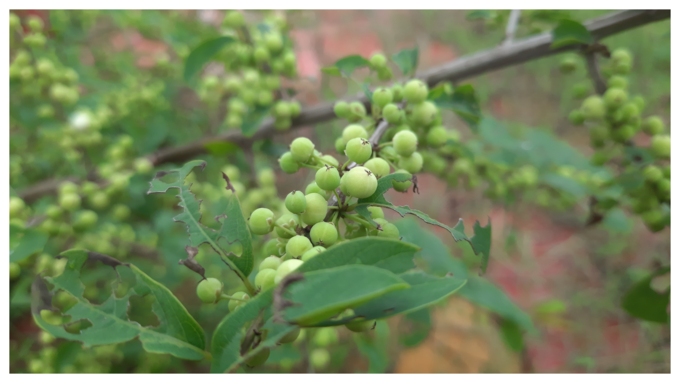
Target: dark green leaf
415, 327
512, 335
202, 54
346, 66
463, 102
253, 120
480, 242
24, 242
479, 14
178, 334
272, 149
406, 60
565, 184
568, 32
643, 302
616, 220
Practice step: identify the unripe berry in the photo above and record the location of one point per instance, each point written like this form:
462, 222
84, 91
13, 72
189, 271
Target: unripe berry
261, 221
69, 202
621, 55
14, 271
290, 337
143, 165
568, 65
317, 207
286, 268
324, 234
233, 19
397, 93
577, 117
579, 91
389, 230
273, 42
359, 326
357, 111
289, 220
378, 166
209, 290
360, 182
258, 359
661, 146
384, 74
234, 304
16, 206
617, 82
652, 173
271, 262
623, 133
265, 279
392, 113
53, 211
282, 109
282, 124
405, 143
341, 109
378, 61
319, 358
598, 135
653, 125
121, 212
382, 97
327, 178
401, 186
593, 108
614, 98
412, 163
437, 136
302, 149
415, 91
667, 172
424, 113
316, 250
288, 164
85, 220
314, 188
295, 108
358, 150
296, 202
654, 220
353, 131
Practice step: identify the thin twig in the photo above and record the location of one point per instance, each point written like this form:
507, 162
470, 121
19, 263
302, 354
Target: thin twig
511, 28
594, 72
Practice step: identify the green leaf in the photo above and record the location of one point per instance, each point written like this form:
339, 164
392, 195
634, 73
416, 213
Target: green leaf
375, 348
202, 54
463, 102
616, 220
332, 71
24, 242
234, 227
406, 60
480, 242
483, 293
565, 184
346, 66
479, 14
643, 302
253, 120
415, 327
568, 32
326, 293
178, 333
425, 290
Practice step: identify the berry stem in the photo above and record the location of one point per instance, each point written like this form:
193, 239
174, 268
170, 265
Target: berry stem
344, 166
324, 161
359, 219
284, 229
229, 297
309, 166
385, 144
338, 197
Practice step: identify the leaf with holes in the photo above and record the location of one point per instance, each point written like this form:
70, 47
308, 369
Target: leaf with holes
406, 60
463, 102
233, 228
178, 333
569, 32
644, 302
24, 242
203, 53
481, 241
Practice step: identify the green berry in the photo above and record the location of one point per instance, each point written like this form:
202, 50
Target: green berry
340, 145
357, 111
53, 211
259, 358
261, 221
359, 326
617, 82
360, 182
324, 234
654, 220
121, 212
265, 279
405, 143
316, 250
327, 178
415, 91
295, 108
577, 117
382, 97
358, 150
282, 124
209, 290
437, 136
593, 108
99, 200
85, 220
384, 74
233, 19
274, 42
653, 125
68, 188
297, 246
661, 146
14, 271
314, 188
614, 98
261, 55
389, 230
272, 262
319, 358
378, 61
143, 165
302, 149
353, 131
290, 337
296, 202
341, 109
397, 93
652, 173
401, 186
621, 55
69, 202
288, 164
424, 113
392, 114
412, 163
376, 212
16, 206
286, 268
234, 304
568, 65
579, 91
282, 110
667, 172
290, 221
378, 166
317, 207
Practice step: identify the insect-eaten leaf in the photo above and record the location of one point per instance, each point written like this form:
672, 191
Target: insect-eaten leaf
24, 242
568, 32
645, 302
203, 53
463, 102
178, 333
406, 60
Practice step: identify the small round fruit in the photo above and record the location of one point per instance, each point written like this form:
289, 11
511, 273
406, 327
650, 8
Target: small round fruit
568, 65
297, 246
378, 61
314, 188
316, 250
295, 202
401, 186
389, 230
360, 182
261, 221
415, 91
392, 113
661, 146
358, 150
357, 111
290, 337
319, 358
341, 109
258, 359
376, 212
265, 279
378, 166
327, 178
424, 113
359, 326
652, 173
653, 125
69, 202
288, 164
437, 136
340, 145
382, 97
353, 131
577, 117
593, 108
324, 234
317, 207
617, 82
286, 268
272, 262
282, 110
614, 98
397, 93
233, 19
16, 206
209, 290
405, 143
14, 271
143, 165
234, 304
302, 149
412, 163
85, 220
121, 212
286, 220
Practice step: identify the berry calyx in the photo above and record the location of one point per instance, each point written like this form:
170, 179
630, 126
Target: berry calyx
286, 268
261, 221
295, 202
405, 143
360, 182
302, 149
288, 221
327, 178
358, 150
209, 290
324, 234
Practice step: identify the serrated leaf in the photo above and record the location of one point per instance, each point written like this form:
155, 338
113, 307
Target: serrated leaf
480, 242
203, 53
406, 60
325, 293
483, 293
253, 120
479, 14
568, 32
178, 334
234, 227
23, 242
375, 347
463, 102
415, 327
643, 302
346, 66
